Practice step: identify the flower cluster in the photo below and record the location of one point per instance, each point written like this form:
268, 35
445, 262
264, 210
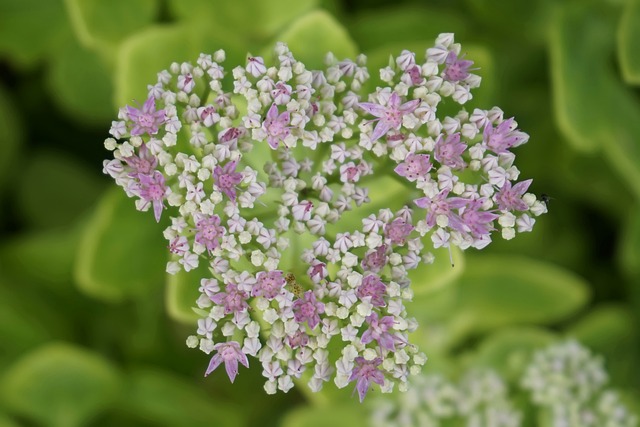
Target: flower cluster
565, 381
570, 382
480, 399
267, 181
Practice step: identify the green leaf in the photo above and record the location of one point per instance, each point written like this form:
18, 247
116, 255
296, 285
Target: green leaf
81, 85
42, 257
508, 351
5, 421
122, 253
628, 36
27, 319
181, 293
256, 19
315, 34
577, 45
55, 190
504, 290
577, 62
11, 135
609, 330
30, 30
168, 400
93, 20
531, 16
629, 252
401, 24
60, 385
352, 415
142, 56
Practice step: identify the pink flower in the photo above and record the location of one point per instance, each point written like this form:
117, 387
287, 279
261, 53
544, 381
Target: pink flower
209, 231
349, 172
308, 309
398, 231
281, 94
146, 119
317, 271
478, 223
379, 331
269, 284
441, 205
376, 259
152, 189
365, 372
510, 198
414, 166
373, 288
501, 138
255, 66
456, 68
233, 299
389, 116
230, 354
448, 151
143, 164
226, 178
276, 127
208, 115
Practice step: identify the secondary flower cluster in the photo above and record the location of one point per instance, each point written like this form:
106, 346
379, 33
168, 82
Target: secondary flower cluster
565, 381
274, 186
480, 399
570, 382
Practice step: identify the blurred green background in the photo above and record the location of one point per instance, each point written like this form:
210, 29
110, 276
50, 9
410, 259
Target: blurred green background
92, 332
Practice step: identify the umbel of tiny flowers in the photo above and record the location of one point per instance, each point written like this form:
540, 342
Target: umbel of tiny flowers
256, 172
566, 386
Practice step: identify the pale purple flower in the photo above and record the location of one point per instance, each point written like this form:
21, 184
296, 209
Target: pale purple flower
476, 221
226, 179
231, 135
152, 189
501, 138
255, 66
456, 69
179, 245
398, 231
230, 354
441, 205
349, 172
389, 116
374, 260
281, 94
415, 74
414, 166
268, 285
373, 288
209, 231
232, 299
186, 82
275, 125
298, 339
448, 151
510, 198
379, 331
364, 372
142, 164
146, 119
317, 271
308, 309
208, 115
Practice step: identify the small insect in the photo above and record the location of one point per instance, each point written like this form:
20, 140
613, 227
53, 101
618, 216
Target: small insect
544, 198
293, 285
